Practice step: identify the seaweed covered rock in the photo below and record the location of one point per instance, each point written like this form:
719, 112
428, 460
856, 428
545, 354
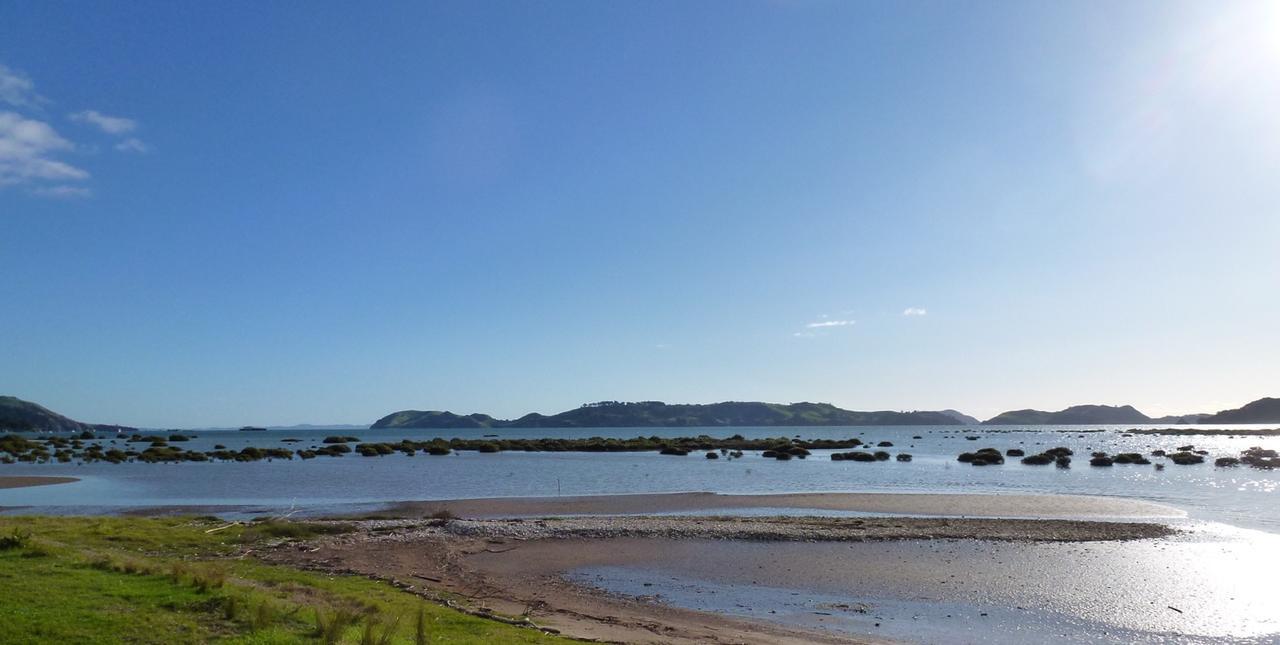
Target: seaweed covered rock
987, 457
1038, 460
1258, 457
902, 456
1226, 462
1014, 452
856, 455
1131, 458
881, 455
1184, 458
1101, 461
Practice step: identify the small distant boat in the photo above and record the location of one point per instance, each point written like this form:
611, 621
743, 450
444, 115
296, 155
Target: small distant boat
252, 429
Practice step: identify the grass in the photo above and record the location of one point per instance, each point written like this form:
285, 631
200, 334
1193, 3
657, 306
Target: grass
117, 580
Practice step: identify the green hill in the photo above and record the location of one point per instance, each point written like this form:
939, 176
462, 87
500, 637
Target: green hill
25, 416
1266, 410
1074, 415
656, 414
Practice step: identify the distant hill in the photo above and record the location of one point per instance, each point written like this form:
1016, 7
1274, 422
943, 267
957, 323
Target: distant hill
25, 416
1265, 410
961, 417
1180, 418
320, 426
656, 414
1074, 415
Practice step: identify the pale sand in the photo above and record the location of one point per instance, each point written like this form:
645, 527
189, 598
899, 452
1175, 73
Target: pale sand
24, 482
965, 505
516, 566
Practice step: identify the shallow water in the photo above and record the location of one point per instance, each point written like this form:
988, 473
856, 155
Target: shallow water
1212, 585
1239, 496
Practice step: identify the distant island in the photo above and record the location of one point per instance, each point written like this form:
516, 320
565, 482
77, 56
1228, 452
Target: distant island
1266, 410
25, 416
1085, 415
17, 415
656, 414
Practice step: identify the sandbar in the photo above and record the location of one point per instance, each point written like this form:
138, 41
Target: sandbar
957, 505
27, 481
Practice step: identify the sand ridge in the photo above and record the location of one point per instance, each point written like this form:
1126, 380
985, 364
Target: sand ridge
952, 505
33, 480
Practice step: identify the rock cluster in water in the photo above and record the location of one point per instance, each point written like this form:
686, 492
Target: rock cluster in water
159, 448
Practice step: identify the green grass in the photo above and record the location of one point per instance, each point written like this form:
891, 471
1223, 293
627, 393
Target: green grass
116, 580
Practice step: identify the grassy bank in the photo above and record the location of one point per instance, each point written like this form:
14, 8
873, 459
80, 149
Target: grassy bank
113, 580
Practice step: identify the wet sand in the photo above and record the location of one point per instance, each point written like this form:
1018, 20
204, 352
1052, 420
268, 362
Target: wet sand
800, 529
439, 567
1186, 589
536, 567
26, 481
1027, 506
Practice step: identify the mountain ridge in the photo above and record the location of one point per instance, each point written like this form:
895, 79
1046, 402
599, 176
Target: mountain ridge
1264, 410
20, 415
656, 414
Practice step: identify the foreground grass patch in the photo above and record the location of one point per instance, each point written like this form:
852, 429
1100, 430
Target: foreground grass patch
114, 580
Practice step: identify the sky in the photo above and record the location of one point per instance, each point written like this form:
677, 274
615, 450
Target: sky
217, 214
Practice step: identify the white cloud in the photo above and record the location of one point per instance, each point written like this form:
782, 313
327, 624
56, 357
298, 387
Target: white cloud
829, 323
63, 192
108, 124
16, 89
821, 327
133, 145
26, 149
29, 144
915, 311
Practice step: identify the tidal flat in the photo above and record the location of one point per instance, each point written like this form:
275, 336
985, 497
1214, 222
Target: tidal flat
850, 579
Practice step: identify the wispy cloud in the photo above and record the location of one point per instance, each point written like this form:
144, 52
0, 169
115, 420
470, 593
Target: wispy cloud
133, 145
63, 192
17, 90
30, 146
27, 147
108, 124
915, 311
830, 323
821, 326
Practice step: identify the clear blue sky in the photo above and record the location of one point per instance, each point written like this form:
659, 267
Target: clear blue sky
235, 212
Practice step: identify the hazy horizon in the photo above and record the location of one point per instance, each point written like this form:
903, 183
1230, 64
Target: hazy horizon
231, 214
327, 423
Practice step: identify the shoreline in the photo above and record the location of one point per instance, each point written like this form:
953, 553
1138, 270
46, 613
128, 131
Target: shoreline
951, 505
927, 504
527, 567
535, 567
27, 481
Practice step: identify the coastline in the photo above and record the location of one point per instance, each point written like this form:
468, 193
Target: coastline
26, 481
550, 569
934, 504
533, 568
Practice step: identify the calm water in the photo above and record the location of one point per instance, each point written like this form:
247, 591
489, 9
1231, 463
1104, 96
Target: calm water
1212, 585
1239, 496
